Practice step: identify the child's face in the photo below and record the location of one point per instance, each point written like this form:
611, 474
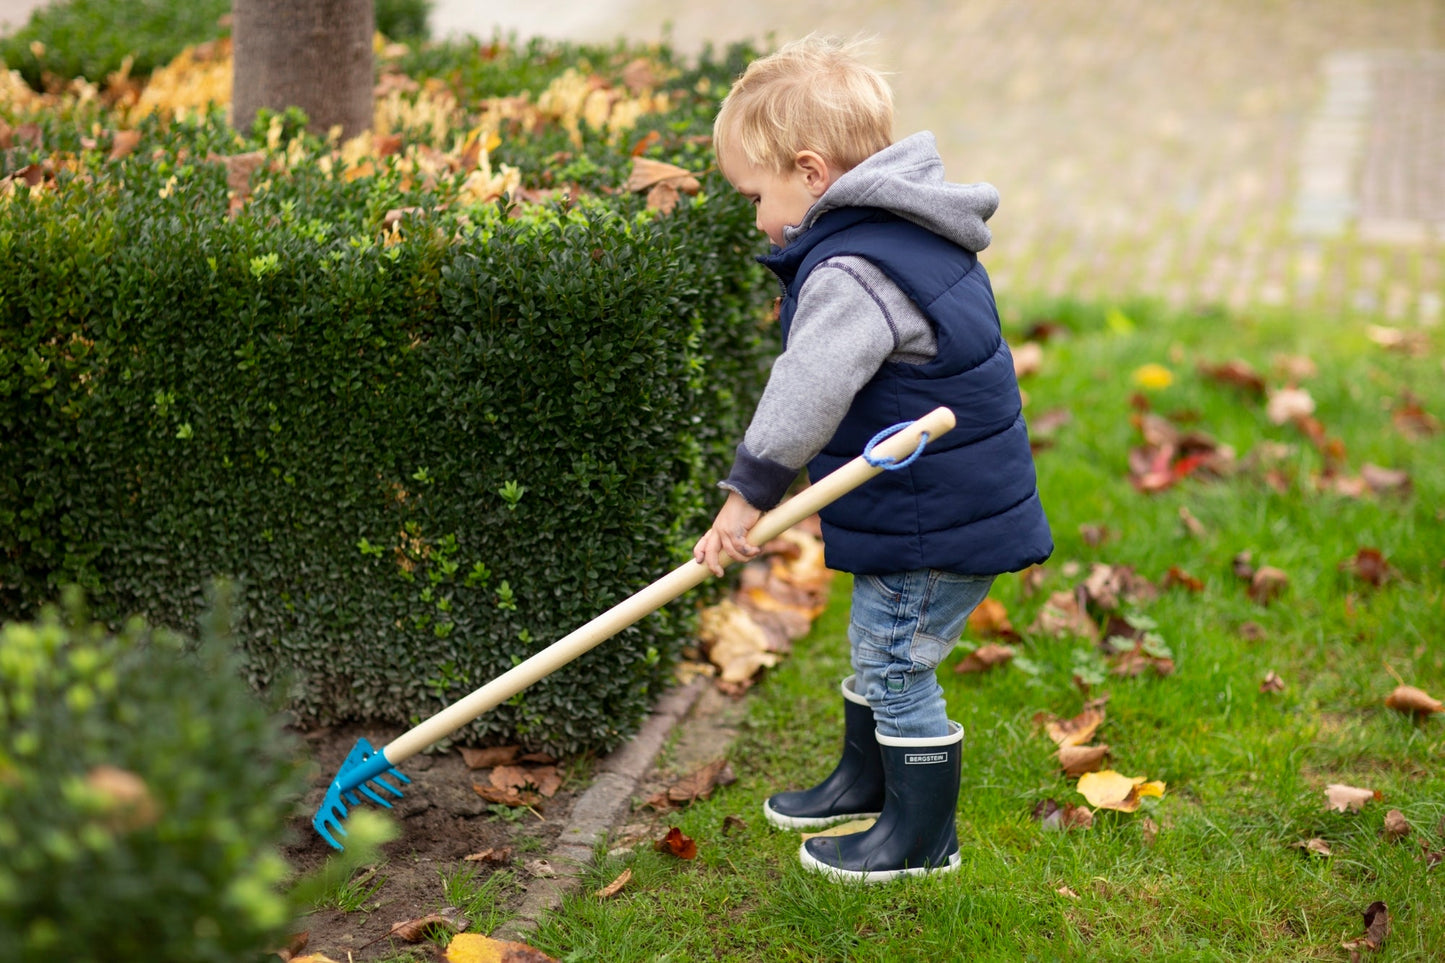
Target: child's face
782, 199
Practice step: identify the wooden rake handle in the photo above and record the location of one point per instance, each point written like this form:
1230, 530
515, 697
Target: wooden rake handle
689, 575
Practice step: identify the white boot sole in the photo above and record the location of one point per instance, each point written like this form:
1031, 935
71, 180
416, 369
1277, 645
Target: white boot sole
872, 876
806, 823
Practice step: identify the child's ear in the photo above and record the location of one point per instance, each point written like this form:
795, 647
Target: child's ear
817, 175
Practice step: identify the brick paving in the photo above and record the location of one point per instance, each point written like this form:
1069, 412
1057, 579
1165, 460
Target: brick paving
1254, 154
1189, 152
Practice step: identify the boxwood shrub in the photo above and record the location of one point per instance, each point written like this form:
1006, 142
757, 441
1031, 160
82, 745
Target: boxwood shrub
143, 793
424, 445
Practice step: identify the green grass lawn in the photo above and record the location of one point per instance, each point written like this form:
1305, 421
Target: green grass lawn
1210, 870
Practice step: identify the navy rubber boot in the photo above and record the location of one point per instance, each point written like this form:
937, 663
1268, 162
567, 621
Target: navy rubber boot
916, 832
854, 790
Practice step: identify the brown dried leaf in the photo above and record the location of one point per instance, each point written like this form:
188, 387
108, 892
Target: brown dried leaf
698, 784
1272, 683
492, 854
1064, 615
990, 621
648, 173
679, 845
1237, 373
1055, 818
1407, 698
614, 887
1385, 480
1077, 760
1267, 584
1377, 927
1396, 826
985, 657
1315, 845
1369, 566
448, 920
544, 780
507, 797
1075, 731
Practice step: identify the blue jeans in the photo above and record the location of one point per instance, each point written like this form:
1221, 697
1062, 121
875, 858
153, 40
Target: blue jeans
901, 627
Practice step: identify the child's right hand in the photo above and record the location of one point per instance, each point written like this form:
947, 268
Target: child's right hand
728, 535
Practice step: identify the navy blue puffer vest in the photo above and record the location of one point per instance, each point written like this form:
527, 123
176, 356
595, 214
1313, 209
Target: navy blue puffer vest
970, 504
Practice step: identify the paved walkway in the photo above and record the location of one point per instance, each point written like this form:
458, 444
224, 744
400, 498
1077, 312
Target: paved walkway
1254, 154
1224, 151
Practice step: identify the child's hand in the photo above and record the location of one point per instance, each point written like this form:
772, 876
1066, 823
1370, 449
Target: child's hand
728, 535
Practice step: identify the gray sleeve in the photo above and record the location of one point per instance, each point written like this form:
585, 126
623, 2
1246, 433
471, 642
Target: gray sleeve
850, 319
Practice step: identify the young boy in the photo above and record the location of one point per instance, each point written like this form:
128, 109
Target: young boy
886, 315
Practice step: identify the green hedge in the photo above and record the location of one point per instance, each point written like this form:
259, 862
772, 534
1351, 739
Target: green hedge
143, 794
423, 458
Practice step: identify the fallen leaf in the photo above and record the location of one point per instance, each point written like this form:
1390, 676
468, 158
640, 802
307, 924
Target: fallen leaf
989, 620
1112, 790
1077, 760
1267, 584
698, 784
1054, 818
1343, 798
614, 887
1413, 421
1396, 826
1028, 359
1065, 891
1072, 732
476, 948
985, 657
543, 780
1153, 377
540, 868
1407, 698
732, 823
1177, 576
1237, 373
1377, 927
1064, 615
1315, 845
648, 173
842, 829
492, 854
291, 952
449, 919
1150, 830
1272, 683
312, 958
679, 845
1385, 480
1288, 404
1369, 566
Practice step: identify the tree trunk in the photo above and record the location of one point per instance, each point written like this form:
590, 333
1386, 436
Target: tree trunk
311, 54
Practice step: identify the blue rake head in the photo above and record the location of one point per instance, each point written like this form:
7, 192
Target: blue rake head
363, 767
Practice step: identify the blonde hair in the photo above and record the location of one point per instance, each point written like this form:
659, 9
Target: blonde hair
812, 94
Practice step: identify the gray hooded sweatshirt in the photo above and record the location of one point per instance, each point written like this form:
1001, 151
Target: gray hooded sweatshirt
851, 317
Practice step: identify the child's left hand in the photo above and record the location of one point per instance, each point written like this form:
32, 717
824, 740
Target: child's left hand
728, 535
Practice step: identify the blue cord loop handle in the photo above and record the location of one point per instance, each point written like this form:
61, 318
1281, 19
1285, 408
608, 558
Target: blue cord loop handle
892, 464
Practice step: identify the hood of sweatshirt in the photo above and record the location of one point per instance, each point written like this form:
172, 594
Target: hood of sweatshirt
906, 179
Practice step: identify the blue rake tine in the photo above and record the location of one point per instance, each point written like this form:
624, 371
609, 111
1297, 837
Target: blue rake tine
363, 766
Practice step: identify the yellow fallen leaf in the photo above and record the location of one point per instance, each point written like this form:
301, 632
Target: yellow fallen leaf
843, 829
476, 948
1153, 377
614, 887
1108, 789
